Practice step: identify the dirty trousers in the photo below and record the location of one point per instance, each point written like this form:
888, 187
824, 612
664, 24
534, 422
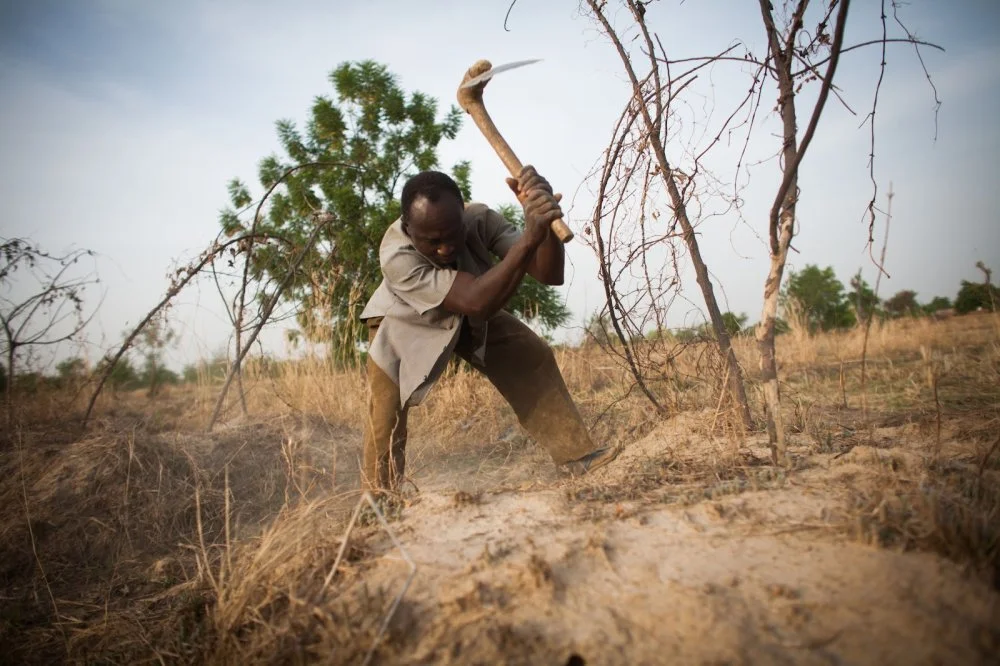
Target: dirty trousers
518, 363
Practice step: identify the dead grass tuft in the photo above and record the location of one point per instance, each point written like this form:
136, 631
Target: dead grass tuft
951, 508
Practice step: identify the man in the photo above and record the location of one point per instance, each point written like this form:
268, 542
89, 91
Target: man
442, 294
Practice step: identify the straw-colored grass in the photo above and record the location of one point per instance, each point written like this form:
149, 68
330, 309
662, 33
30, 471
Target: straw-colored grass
147, 539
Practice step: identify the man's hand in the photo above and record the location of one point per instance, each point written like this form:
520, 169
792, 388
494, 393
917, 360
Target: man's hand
541, 207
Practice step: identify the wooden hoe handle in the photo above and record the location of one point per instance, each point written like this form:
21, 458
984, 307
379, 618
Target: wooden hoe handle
471, 100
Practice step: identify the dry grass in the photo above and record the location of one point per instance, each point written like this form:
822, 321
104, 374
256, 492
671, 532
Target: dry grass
147, 539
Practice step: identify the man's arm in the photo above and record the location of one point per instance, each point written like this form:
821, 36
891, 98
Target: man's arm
485, 295
548, 262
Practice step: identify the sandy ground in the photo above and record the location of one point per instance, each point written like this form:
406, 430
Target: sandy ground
544, 570
685, 550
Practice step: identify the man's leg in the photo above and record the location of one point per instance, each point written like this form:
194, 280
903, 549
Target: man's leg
523, 368
385, 430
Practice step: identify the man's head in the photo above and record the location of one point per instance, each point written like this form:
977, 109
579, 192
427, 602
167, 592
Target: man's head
432, 216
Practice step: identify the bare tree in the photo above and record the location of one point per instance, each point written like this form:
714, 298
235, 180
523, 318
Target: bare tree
637, 155
796, 58
321, 220
42, 301
784, 56
242, 244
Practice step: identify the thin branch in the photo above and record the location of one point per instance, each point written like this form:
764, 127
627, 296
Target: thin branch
321, 221
871, 315
847, 49
507, 16
241, 295
791, 170
916, 47
185, 275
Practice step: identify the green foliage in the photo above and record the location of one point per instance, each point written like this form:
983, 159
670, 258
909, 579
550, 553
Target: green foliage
123, 375
534, 302
863, 299
904, 304
819, 296
30, 382
937, 303
735, 323
975, 295
370, 137
687, 335
154, 378
599, 329
213, 370
153, 340
71, 369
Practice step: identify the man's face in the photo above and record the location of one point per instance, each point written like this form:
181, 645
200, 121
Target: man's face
436, 228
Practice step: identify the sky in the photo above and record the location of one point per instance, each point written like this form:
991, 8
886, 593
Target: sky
121, 123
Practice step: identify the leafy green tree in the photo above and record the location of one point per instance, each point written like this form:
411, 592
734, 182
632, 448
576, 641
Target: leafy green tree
534, 302
863, 299
820, 295
599, 329
362, 143
937, 303
903, 304
71, 370
735, 323
154, 339
975, 295
123, 375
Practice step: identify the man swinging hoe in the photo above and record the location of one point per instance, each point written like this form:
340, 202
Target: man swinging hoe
448, 270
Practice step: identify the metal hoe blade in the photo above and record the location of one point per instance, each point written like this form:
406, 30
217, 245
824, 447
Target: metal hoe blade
489, 74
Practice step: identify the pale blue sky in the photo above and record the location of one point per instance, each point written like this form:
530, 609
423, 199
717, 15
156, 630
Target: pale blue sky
122, 121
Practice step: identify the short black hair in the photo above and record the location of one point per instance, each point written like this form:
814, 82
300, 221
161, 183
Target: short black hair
430, 185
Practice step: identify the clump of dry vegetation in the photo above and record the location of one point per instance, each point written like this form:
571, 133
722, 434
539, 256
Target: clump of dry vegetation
145, 538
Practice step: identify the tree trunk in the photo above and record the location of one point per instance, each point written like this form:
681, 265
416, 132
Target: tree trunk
765, 341
781, 221
9, 397
735, 372
677, 201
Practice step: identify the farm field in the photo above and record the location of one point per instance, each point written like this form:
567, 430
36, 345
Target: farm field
146, 539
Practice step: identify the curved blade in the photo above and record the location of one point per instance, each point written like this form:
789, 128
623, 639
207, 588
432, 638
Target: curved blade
489, 74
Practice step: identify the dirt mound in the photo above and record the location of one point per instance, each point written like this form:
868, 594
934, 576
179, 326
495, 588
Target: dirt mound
674, 554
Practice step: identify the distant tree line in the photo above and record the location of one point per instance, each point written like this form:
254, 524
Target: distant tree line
815, 297
821, 300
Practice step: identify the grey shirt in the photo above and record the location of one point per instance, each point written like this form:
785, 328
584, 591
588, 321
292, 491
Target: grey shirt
417, 336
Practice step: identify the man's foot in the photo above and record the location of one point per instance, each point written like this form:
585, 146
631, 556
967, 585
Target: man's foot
591, 461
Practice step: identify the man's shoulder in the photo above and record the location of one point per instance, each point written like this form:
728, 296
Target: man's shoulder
474, 210
394, 234
484, 221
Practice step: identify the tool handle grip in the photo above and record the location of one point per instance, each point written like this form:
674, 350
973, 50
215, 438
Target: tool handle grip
509, 159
